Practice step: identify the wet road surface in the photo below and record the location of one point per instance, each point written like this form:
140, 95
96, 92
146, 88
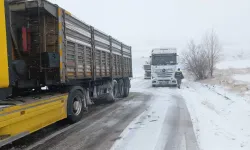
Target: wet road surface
99, 130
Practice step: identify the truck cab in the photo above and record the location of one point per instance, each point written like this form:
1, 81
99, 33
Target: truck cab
147, 69
163, 67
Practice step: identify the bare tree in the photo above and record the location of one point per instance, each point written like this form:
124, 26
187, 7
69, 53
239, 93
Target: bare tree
195, 61
212, 46
200, 60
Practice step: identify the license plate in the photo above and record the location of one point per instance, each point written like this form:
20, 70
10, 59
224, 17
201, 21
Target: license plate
164, 82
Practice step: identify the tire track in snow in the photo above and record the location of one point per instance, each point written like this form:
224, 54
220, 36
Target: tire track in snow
177, 131
173, 130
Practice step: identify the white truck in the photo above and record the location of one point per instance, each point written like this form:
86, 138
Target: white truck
147, 69
163, 66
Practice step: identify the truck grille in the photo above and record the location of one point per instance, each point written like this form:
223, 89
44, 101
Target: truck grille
147, 67
164, 74
148, 73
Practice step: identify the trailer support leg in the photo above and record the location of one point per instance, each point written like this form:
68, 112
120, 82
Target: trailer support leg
94, 92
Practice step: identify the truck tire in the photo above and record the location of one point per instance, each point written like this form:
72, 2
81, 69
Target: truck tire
126, 87
75, 106
121, 87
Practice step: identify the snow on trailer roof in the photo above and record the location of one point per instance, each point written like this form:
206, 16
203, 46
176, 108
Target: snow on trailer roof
164, 50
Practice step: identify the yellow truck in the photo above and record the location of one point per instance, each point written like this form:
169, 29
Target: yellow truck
52, 66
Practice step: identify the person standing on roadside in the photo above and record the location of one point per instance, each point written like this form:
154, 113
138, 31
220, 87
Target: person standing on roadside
178, 76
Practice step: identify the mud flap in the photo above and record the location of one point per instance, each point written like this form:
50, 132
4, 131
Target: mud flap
88, 100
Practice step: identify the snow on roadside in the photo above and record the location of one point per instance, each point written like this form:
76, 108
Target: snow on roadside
221, 120
233, 74
242, 77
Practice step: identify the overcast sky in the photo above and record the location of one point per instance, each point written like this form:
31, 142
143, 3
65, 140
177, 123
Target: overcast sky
147, 24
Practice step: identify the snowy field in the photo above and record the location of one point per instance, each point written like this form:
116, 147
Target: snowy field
233, 73
234, 59
234, 64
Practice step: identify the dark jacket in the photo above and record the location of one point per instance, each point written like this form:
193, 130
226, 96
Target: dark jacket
178, 75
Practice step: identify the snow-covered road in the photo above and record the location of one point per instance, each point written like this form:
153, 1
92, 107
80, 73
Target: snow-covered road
165, 125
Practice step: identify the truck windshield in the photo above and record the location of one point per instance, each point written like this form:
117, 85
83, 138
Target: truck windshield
164, 59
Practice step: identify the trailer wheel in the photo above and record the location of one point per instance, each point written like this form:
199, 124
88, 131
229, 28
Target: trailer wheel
126, 87
75, 106
121, 87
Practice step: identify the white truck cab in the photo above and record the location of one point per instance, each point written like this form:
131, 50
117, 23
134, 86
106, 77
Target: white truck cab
163, 66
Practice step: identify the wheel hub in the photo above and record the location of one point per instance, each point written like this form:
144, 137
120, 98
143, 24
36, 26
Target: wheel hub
77, 105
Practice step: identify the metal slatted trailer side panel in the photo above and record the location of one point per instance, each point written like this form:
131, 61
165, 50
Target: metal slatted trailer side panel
78, 52
102, 52
117, 55
91, 54
127, 59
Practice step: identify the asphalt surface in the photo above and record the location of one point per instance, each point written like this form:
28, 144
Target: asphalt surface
98, 129
179, 127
